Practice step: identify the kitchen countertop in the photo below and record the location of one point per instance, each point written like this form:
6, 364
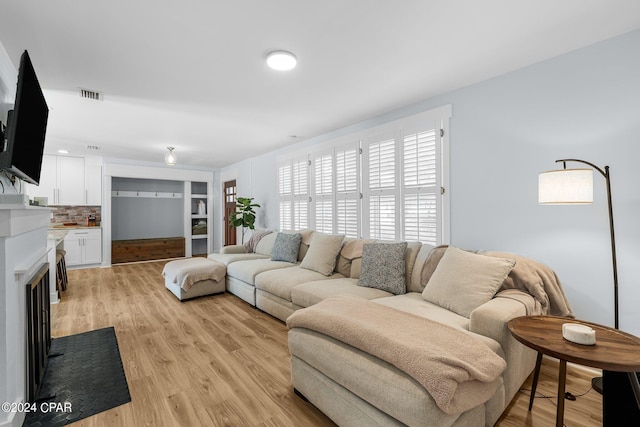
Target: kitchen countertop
56, 234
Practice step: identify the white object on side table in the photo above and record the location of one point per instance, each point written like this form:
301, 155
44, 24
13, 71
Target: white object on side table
579, 334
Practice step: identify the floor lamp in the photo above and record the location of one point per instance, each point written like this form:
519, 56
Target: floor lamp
575, 186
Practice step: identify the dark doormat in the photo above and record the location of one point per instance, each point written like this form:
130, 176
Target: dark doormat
84, 377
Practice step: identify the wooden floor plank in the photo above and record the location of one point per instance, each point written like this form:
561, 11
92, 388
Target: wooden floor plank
217, 361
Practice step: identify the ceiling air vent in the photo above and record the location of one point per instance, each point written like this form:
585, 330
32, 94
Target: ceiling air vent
93, 147
91, 94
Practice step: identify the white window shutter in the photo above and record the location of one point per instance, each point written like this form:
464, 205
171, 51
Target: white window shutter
323, 192
420, 205
381, 219
284, 180
300, 215
285, 215
293, 190
300, 211
348, 211
300, 177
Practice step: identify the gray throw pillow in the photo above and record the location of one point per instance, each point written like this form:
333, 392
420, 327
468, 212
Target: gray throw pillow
383, 267
286, 247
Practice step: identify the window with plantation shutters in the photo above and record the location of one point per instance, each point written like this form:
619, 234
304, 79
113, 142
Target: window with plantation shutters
387, 182
293, 191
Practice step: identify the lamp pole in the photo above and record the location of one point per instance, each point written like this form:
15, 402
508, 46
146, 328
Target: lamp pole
605, 174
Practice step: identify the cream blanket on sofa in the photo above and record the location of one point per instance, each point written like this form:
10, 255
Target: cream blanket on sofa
458, 370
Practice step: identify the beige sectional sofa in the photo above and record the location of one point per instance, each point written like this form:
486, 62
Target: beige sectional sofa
351, 385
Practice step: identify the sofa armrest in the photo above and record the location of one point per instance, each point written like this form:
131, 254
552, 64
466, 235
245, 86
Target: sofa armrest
490, 319
233, 249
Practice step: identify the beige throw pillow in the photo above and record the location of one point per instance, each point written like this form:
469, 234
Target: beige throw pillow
463, 281
323, 252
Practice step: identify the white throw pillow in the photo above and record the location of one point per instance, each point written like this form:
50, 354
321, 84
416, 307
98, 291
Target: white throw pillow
323, 252
463, 281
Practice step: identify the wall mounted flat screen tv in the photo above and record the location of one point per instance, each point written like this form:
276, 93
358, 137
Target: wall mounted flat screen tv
26, 127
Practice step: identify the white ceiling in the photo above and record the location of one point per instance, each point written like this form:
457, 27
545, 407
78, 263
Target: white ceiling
191, 74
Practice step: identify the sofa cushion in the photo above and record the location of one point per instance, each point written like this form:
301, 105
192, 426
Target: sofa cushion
280, 283
412, 302
322, 253
307, 235
286, 247
310, 293
248, 270
410, 257
463, 281
351, 250
383, 267
227, 259
265, 245
256, 235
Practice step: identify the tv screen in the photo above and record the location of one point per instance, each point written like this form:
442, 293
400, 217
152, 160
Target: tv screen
26, 126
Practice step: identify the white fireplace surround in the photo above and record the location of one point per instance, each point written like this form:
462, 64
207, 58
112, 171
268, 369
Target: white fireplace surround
23, 250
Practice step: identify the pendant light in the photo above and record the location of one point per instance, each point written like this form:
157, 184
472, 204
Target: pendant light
170, 158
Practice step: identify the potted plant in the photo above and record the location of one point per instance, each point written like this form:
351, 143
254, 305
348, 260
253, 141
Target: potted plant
244, 216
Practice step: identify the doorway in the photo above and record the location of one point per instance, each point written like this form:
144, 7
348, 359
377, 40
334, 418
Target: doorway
229, 203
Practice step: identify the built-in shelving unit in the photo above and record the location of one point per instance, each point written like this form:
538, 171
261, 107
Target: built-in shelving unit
177, 211
199, 206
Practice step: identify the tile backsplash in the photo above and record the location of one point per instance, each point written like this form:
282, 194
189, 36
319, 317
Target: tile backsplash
77, 214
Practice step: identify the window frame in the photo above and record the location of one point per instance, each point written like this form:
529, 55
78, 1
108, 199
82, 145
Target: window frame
362, 142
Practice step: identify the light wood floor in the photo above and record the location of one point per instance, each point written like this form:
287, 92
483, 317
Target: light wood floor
216, 361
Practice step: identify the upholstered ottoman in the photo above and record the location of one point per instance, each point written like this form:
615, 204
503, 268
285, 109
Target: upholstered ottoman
194, 277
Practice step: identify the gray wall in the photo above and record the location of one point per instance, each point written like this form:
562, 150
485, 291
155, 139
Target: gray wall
144, 217
504, 131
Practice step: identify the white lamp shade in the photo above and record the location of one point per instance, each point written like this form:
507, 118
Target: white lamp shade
565, 187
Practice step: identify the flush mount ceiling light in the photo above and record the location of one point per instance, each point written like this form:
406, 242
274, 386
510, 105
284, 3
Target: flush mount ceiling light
281, 60
170, 158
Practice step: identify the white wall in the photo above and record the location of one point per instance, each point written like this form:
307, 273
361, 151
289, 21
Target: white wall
504, 131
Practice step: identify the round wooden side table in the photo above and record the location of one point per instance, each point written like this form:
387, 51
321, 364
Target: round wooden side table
614, 350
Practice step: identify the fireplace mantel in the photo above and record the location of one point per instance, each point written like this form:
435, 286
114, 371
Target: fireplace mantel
18, 219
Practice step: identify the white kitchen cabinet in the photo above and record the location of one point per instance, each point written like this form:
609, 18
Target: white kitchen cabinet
66, 180
72, 248
48, 180
93, 180
83, 246
70, 180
